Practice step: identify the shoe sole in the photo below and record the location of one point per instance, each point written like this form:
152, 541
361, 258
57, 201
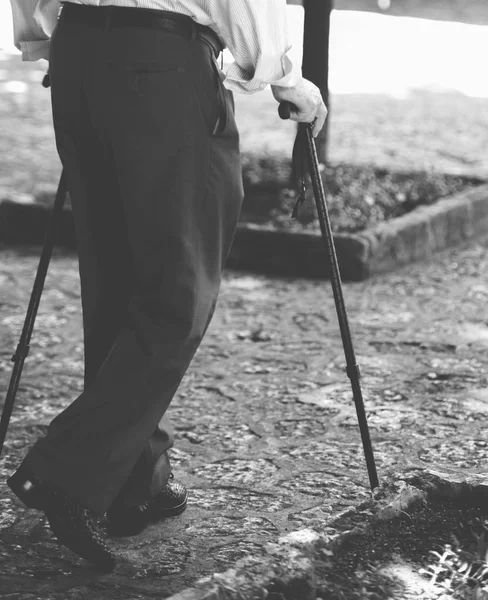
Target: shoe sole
170, 512
114, 530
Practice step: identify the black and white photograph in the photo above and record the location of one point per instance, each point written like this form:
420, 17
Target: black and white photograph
243, 299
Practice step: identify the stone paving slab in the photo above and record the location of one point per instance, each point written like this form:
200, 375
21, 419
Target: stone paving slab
267, 439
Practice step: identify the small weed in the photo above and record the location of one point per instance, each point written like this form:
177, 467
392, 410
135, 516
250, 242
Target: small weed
462, 573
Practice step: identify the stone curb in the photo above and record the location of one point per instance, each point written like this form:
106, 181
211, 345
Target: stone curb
287, 567
414, 236
428, 229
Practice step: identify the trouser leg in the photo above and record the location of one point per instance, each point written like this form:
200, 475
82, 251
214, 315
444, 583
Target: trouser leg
180, 192
104, 256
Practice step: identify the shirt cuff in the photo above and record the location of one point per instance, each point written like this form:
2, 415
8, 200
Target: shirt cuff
246, 82
35, 50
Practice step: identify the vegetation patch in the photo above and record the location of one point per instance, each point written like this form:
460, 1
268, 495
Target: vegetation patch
358, 196
437, 549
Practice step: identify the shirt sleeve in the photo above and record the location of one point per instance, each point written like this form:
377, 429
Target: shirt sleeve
256, 33
34, 21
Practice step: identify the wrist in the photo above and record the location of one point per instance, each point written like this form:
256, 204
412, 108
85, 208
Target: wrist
283, 89
282, 93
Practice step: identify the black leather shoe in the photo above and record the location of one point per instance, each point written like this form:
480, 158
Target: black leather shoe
75, 527
170, 501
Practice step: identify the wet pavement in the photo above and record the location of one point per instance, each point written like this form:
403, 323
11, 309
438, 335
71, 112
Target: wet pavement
267, 437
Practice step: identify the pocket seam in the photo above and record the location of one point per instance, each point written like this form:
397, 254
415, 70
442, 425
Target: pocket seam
142, 67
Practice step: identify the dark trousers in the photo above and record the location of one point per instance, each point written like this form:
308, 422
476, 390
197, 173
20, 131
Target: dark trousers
147, 138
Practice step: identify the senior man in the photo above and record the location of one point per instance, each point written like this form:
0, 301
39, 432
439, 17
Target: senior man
145, 130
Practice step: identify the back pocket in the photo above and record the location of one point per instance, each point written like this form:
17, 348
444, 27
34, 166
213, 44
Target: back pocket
148, 77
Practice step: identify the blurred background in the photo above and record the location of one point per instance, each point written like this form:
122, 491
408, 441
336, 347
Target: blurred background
408, 93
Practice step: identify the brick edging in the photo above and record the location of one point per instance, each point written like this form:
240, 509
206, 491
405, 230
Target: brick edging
428, 229
414, 236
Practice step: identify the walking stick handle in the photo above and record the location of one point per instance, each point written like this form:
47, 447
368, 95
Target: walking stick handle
285, 109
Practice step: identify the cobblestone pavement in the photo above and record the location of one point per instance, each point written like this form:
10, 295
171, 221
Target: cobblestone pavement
267, 439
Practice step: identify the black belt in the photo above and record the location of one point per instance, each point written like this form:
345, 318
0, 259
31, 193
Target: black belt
118, 16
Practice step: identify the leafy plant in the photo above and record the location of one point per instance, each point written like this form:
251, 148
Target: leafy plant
459, 573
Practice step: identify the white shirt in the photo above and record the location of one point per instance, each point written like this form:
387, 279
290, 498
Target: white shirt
255, 31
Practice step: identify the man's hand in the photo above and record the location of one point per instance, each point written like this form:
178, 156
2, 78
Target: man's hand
308, 100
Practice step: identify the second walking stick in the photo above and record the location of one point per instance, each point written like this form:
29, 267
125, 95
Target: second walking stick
23, 346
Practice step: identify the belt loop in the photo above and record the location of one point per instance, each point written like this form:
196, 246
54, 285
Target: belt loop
108, 19
193, 35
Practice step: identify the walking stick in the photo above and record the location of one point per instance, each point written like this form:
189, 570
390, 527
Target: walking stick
352, 368
23, 347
